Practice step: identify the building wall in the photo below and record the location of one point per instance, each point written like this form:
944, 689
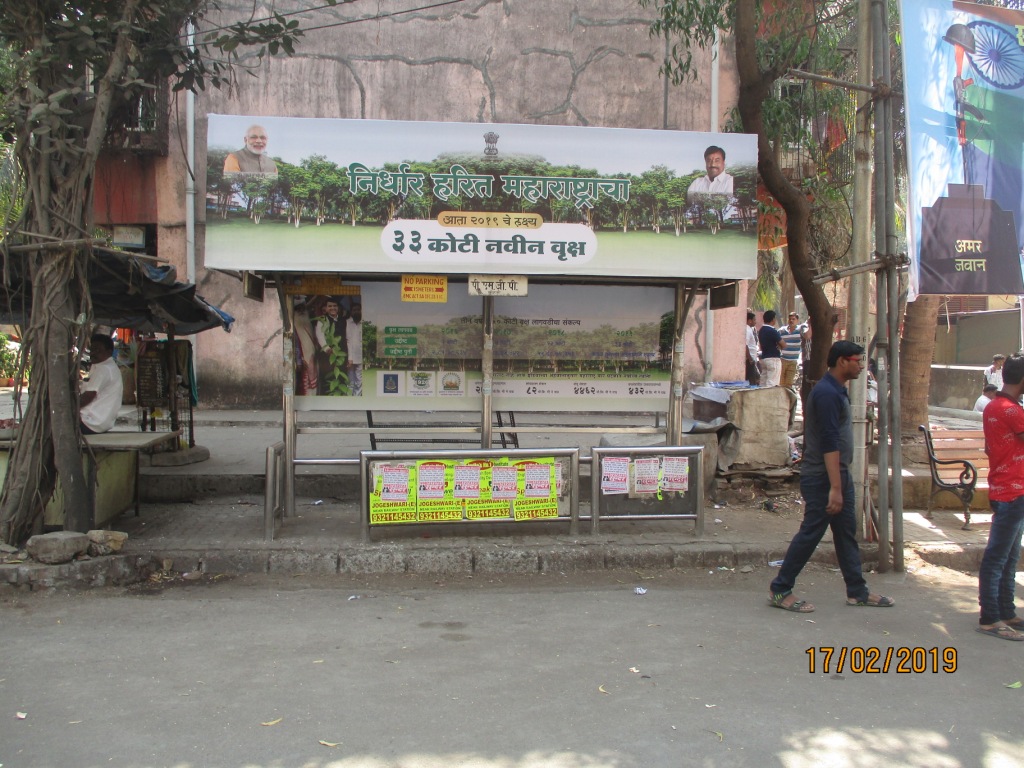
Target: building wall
983, 334
505, 61
956, 386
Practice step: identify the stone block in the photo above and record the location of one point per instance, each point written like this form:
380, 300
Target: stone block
440, 561
129, 569
9, 573
646, 556
506, 561
57, 547
763, 418
688, 555
105, 542
961, 558
372, 560
176, 560
296, 562
716, 555
235, 561
750, 554
572, 559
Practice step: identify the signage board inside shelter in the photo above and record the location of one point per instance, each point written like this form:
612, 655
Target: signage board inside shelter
416, 198
427, 288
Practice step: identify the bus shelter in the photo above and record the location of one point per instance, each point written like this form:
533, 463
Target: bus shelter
489, 269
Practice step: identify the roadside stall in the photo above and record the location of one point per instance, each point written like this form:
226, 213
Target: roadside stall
127, 292
492, 276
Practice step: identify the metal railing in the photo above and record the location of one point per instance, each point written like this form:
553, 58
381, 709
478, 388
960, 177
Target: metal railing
273, 499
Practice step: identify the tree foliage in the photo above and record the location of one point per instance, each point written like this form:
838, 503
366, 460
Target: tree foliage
78, 73
771, 38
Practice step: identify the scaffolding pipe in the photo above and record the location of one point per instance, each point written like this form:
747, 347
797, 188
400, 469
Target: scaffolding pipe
879, 53
859, 323
487, 366
891, 245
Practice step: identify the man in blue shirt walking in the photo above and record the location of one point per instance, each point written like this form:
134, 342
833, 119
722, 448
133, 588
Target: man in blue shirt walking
827, 487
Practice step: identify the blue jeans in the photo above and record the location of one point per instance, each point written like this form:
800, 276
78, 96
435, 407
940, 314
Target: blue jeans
815, 490
999, 563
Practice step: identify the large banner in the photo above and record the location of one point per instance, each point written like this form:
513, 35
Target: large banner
964, 66
371, 196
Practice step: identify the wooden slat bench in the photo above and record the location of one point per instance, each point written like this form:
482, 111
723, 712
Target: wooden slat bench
958, 464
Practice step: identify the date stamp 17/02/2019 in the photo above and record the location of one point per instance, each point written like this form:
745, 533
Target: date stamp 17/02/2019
876, 660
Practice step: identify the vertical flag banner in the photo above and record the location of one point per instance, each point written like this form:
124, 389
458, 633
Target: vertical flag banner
964, 92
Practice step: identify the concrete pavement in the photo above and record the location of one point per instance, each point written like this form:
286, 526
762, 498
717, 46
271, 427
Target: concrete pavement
207, 517
503, 671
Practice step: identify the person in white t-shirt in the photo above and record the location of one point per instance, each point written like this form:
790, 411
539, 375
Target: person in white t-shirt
354, 340
753, 352
985, 398
101, 394
994, 373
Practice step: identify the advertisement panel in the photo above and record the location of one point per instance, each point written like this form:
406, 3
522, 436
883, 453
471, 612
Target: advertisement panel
373, 196
457, 490
964, 93
561, 347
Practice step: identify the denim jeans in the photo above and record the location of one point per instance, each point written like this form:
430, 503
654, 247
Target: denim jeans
999, 563
815, 490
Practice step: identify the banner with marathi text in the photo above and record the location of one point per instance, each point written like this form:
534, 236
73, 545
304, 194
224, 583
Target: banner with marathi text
375, 196
964, 93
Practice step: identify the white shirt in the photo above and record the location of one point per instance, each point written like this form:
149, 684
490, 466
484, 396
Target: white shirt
753, 348
105, 380
354, 337
993, 376
981, 402
720, 185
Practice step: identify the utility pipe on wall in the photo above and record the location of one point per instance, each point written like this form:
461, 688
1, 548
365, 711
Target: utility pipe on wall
709, 316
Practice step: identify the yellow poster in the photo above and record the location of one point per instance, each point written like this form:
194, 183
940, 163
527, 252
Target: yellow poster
537, 491
426, 288
435, 500
391, 499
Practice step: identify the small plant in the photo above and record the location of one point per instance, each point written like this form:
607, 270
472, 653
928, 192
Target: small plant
8, 359
337, 379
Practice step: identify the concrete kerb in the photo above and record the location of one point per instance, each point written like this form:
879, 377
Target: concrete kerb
480, 558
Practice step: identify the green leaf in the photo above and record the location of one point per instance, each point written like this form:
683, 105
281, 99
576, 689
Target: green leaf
1013, 685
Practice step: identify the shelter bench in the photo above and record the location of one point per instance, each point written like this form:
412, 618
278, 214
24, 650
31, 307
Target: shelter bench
958, 464
501, 418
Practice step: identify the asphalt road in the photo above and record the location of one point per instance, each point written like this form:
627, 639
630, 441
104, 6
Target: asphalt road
549, 671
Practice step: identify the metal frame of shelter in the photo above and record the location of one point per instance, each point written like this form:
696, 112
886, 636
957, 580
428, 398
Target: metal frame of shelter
282, 458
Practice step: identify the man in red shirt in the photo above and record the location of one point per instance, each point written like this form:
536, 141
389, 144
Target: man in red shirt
1003, 420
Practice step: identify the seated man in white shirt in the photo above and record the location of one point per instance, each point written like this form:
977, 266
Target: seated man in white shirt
985, 398
100, 399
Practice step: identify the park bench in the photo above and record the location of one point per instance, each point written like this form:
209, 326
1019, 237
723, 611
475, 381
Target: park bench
958, 464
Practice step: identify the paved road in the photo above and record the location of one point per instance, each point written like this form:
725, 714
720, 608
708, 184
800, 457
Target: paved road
514, 672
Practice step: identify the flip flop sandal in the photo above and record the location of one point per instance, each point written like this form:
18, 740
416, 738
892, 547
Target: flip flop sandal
1016, 623
882, 602
1003, 633
798, 606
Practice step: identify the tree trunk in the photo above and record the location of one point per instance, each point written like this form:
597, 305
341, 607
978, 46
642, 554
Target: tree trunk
59, 163
755, 87
916, 352
48, 440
